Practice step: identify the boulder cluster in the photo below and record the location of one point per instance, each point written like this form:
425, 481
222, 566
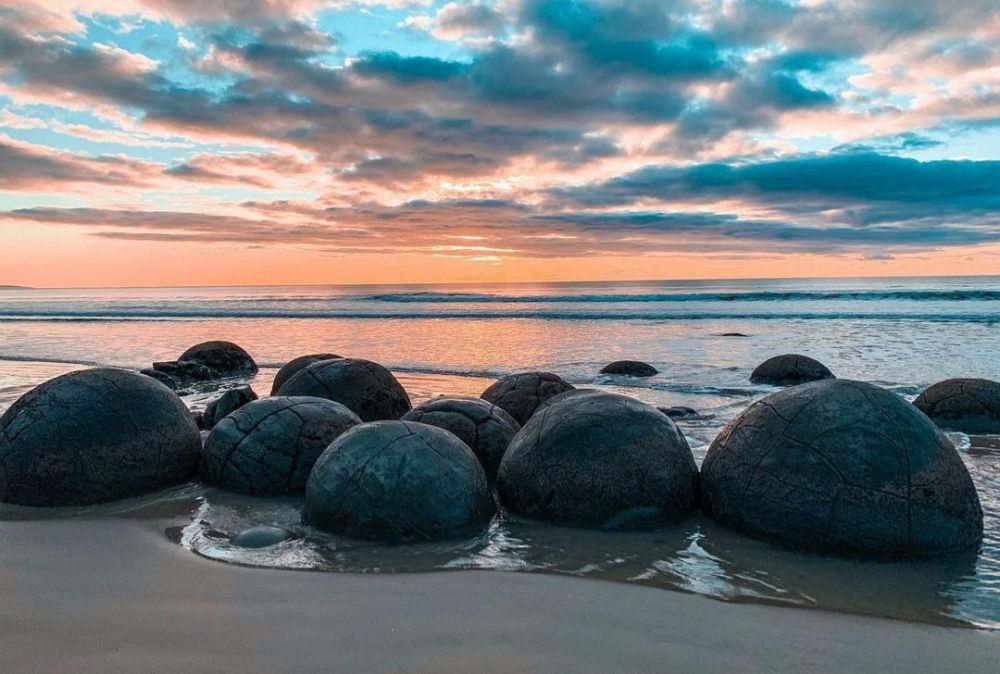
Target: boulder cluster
828, 464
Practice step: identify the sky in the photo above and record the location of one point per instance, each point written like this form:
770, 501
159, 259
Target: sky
197, 142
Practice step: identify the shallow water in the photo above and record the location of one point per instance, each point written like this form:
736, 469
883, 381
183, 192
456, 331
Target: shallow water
901, 333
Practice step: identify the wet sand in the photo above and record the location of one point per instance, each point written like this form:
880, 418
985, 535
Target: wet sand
114, 595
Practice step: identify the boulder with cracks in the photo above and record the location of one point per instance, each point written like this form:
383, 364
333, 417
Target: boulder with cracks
521, 394
292, 367
789, 369
966, 405
630, 368
365, 387
225, 404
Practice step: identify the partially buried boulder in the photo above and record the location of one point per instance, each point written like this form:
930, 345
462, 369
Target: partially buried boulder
521, 394
843, 467
292, 367
789, 369
208, 361
269, 446
365, 387
967, 405
94, 436
399, 482
228, 402
484, 427
631, 368
679, 412
598, 459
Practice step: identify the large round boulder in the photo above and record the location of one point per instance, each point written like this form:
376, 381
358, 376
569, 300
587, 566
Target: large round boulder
789, 369
94, 436
269, 446
521, 394
484, 427
289, 369
967, 405
630, 368
843, 467
365, 387
224, 358
399, 482
598, 459
226, 404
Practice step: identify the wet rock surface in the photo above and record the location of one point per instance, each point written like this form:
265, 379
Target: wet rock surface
367, 388
208, 361
262, 536
228, 402
484, 427
269, 446
292, 367
631, 368
598, 459
966, 405
790, 370
95, 436
843, 467
679, 412
521, 394
398, 482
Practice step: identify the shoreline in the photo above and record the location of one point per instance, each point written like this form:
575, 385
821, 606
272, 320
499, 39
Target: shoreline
108, 595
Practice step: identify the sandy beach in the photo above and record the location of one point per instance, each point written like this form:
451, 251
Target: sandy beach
114, 595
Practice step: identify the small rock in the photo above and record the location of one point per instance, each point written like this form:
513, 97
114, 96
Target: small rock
678, 412
262, 536
631, 368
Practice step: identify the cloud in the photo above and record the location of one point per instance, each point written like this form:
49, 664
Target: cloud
30, 168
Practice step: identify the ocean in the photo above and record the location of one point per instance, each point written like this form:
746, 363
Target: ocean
899, 333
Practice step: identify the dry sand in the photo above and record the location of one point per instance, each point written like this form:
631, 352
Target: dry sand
113, 595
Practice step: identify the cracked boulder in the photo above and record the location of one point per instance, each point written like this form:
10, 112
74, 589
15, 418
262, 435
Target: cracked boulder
484, 427
596, 459
228, 402
95, 436
398, 482
521, 394
630, 368
966, 405
269, 446
843, 467
789, 369
208, 361
365, 387
289, 369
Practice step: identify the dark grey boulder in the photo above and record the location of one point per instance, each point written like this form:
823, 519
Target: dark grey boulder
225, 358
843, 467
598, 459
967, 405
293, 366
94, 436
731, 334
483, 426
261, 536
161, 377
520, 394
365, 387
631, 368
789, 369
399, 482
228, 402
184, 373
269, 446
679, 412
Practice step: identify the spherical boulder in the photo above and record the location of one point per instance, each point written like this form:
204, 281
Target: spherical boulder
631, 368
484, 427
94, 436
293, 366
224, 358
228, 402
967, 405
398, 482
269, 446
789, 369
844, 467
365, 387
598, 459
520, 394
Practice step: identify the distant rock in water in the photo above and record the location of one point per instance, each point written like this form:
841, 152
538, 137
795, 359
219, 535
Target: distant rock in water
367, 388
632, 368
262, 536
731, 334
598, 459
966, 405
293, 366
269, 446
228, 402
399, 482
208, 361
843, 467
94, 436
679, 412
521, 394
789, 370
483, 426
